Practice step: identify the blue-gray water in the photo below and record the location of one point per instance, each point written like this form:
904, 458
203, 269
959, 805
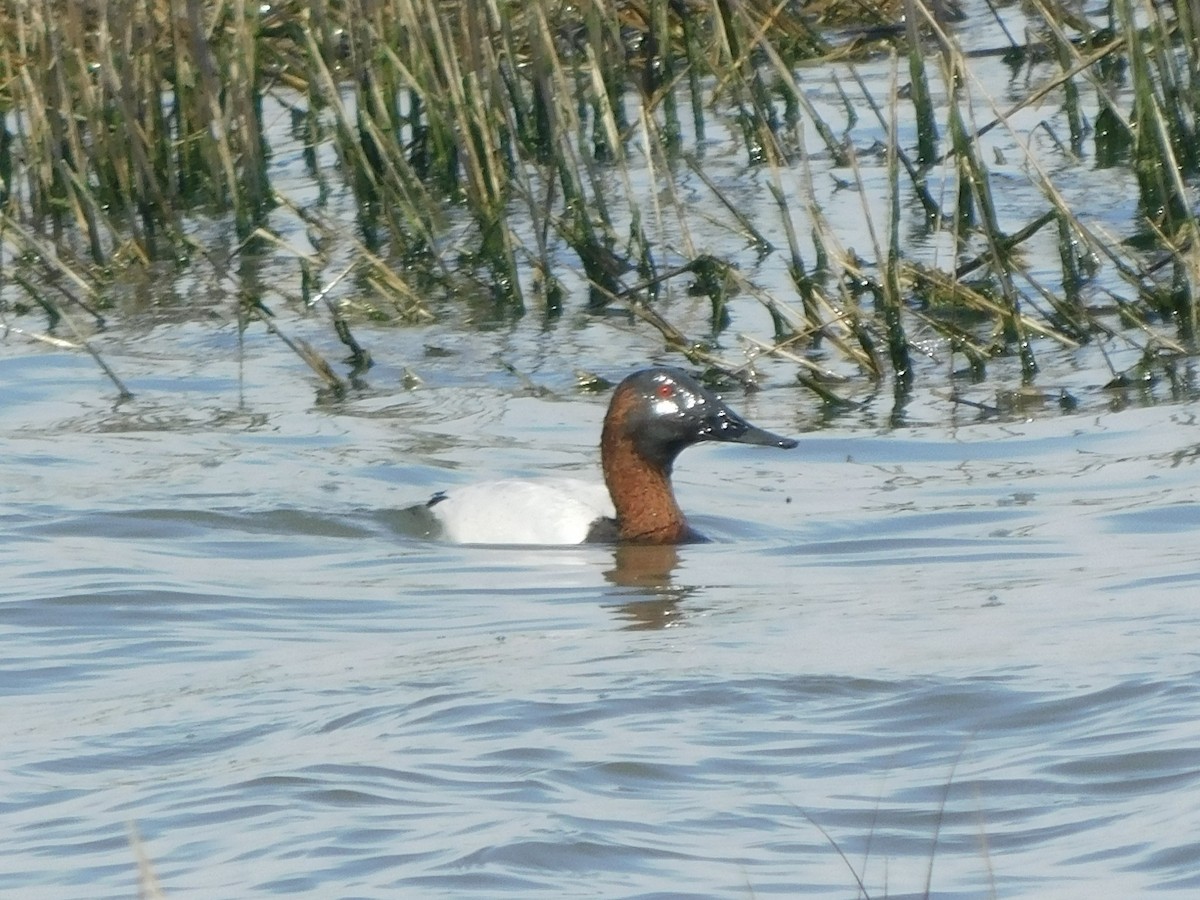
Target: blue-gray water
967, 646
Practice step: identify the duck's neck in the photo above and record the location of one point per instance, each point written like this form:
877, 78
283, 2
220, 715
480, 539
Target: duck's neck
647, 512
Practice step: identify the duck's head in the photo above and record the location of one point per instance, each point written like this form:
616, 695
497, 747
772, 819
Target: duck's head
663, 410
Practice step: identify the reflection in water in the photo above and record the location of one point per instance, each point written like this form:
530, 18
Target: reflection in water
643, 565
647, 568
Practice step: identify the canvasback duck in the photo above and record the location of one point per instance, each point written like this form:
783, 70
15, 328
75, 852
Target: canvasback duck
654, 414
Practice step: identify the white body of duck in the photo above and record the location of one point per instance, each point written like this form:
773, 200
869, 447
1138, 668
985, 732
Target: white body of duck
653, 416
522, 511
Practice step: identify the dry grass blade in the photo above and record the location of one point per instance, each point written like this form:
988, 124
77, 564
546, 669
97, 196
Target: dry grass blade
761, 244
891, 299
301, 348
48, 339
915, 176
149, 887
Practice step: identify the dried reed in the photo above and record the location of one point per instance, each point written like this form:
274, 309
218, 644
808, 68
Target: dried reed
535, 121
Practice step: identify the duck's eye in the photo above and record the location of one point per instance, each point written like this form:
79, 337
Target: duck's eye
665, 391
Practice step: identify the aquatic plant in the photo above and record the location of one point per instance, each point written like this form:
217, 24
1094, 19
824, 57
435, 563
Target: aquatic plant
510, 148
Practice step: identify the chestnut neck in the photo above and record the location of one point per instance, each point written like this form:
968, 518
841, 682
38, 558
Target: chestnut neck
647, 511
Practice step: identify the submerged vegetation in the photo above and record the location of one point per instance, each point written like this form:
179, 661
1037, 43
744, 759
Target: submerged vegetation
521, 149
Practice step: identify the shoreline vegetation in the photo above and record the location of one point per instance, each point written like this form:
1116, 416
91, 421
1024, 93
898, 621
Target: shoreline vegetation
536, 127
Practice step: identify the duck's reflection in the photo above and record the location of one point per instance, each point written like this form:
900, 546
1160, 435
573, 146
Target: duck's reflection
646, 569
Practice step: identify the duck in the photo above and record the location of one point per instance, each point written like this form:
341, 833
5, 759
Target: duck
654, 415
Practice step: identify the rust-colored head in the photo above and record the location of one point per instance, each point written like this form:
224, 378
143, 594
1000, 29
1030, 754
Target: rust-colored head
654, 414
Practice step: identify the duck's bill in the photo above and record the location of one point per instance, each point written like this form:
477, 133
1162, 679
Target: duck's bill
756, 435
729, 426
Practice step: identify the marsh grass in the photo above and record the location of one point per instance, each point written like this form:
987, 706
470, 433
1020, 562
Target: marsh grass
560, 133
858, 874
149, 886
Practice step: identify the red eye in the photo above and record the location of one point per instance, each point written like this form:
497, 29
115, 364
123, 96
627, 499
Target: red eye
665, 391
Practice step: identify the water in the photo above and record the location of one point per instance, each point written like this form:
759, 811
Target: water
970, 646
957, 644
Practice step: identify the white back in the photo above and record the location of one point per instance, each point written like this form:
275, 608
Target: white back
544, 511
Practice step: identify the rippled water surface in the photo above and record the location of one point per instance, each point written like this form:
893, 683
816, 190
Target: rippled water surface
964, 655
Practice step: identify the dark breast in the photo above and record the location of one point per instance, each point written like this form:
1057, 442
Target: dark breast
603, 531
